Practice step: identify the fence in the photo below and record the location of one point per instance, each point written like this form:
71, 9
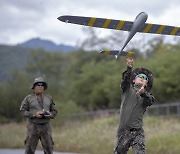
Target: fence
164, 110
171, 109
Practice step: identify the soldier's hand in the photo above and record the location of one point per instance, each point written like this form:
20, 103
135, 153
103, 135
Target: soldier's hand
142, 89
39, 114
130, 62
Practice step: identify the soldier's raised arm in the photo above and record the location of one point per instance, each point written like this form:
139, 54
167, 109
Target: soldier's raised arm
126, 76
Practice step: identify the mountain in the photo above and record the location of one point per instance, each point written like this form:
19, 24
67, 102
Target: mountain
47, 45
14, 58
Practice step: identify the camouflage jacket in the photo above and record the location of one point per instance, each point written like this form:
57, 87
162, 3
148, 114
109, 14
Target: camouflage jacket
30, 105
133, 105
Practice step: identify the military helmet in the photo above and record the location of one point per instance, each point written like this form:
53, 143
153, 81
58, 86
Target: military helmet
40, 79
145, 71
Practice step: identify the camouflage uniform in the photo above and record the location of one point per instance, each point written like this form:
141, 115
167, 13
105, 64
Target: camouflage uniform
38, 128
36, 132
127, 138
133, 107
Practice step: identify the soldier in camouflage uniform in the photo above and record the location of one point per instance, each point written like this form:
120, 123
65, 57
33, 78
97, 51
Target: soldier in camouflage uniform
135, 85
39, 108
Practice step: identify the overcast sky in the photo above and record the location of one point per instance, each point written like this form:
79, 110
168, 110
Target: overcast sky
21, 20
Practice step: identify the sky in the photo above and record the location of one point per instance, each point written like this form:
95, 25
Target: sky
21, 20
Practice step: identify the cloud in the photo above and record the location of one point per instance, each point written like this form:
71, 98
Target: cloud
22, 20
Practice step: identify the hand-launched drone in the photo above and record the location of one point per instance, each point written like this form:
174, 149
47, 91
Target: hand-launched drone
138, 25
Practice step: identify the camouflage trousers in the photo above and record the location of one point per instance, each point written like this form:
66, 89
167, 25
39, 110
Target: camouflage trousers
36, 132
127, 138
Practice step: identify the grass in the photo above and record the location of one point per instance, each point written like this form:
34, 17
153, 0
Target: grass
99, 136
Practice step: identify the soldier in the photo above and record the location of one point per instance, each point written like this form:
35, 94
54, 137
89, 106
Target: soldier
135, 85
39, 108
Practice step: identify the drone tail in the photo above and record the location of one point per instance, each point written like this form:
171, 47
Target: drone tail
117, 53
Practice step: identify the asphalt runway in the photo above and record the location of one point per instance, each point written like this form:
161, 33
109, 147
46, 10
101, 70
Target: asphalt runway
21, 151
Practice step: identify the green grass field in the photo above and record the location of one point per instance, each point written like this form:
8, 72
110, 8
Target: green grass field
98, 136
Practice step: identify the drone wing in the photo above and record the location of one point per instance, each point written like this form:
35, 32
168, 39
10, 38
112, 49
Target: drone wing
160, 29
98, 22
115, 52
120, 25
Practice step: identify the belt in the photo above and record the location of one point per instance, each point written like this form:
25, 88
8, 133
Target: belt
39, 123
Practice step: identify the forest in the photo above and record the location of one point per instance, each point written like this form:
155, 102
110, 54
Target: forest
86, 80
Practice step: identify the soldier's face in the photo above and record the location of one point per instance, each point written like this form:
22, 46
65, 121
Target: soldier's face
140, 81
39, 88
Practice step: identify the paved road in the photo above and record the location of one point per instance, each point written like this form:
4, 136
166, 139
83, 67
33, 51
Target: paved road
21, 151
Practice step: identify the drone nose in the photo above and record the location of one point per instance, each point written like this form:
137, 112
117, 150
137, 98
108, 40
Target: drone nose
60, 18
64, 18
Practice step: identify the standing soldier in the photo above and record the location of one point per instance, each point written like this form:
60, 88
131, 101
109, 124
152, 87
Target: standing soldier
135, 85
39, 108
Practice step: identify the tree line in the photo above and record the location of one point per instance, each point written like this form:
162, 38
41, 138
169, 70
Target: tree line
83, 81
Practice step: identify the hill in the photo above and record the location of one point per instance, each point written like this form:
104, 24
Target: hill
47, 45
15, 57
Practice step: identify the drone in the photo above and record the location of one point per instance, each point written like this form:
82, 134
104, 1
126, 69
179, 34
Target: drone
138, 25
